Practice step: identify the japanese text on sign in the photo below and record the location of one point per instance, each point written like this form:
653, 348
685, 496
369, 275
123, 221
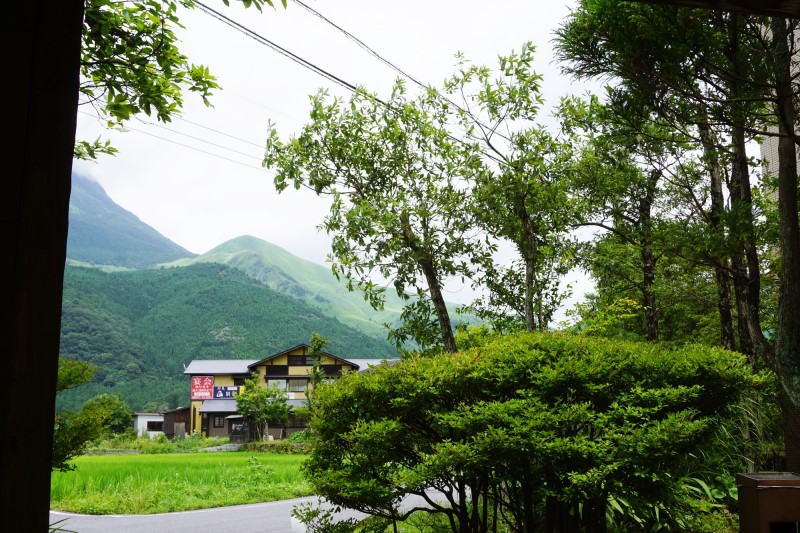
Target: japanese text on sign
225, 392
202, 387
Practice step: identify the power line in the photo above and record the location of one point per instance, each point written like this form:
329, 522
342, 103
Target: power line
311, 66
205, 141
277, 48
196, 149
219, 132
361, 44
394, 67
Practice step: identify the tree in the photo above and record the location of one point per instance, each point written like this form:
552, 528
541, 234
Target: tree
261, 405
530, 431
522, 195
399, 210
73, 431
618, 182
131, 63
111, 410
708, 84
316, 375
739, 71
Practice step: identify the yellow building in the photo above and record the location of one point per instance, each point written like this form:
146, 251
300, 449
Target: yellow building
215, 384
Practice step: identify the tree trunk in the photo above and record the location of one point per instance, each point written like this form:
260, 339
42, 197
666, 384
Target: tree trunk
787, 347
747, 272
648, 259
528, 252
720, 264
745, 262
432, 278
722, 280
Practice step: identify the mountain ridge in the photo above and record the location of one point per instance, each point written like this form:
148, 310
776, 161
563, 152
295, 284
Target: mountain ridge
284, 272
102, 233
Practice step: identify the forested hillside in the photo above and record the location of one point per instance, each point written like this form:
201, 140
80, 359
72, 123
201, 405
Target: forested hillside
142, 327
309, 282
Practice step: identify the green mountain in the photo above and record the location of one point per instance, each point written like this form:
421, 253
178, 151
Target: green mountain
245, 299
101, 233
141, 327
312, 283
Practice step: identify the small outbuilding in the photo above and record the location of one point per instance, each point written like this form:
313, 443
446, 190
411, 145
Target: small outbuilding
176, 423
150, 424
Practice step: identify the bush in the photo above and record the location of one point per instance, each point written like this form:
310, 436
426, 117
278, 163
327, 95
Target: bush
283, 446
543, 430
159, 444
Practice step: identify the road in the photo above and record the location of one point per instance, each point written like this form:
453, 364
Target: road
271, 517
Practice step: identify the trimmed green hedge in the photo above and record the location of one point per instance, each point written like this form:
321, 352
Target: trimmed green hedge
543, 430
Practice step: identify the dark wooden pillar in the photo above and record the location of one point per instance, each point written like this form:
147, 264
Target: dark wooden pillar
40, 48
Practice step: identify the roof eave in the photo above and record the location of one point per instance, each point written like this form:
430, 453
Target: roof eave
779, 8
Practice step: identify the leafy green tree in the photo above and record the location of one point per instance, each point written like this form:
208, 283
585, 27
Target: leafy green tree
72, 431
617, 180
131, 63
522, 196
712, 84
316, 375
399, 210
739, 72
261, 405
111, 410
73, 373
531, 432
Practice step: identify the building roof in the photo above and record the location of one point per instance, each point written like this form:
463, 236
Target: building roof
168, 411
366, 364
788, 8
218, 406
303, 345
229, 405
219, 366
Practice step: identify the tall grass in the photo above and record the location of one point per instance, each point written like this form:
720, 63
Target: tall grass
146, 484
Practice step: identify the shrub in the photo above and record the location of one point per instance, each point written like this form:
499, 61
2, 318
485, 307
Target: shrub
283, 446
542, 430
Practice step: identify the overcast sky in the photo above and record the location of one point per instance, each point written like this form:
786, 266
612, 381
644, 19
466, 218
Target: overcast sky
199, 180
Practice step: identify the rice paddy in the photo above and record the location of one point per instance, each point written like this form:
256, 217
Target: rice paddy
146, 484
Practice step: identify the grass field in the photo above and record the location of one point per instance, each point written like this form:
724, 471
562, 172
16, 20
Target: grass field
146, 484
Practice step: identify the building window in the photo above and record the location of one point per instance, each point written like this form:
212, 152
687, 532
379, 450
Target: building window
301, 360
279, 383
219, 421
276, 370
239, 380
155, 425
298, 385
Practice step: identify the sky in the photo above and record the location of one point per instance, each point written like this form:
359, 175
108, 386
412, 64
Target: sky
198, 180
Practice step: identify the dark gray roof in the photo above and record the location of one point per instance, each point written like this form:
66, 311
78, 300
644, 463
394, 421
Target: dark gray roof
366, 364
307, 352
200, 367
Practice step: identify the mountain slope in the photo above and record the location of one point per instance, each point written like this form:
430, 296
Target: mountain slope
143, 326
312, 283
103, 233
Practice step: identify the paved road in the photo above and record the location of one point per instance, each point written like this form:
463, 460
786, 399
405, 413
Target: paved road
272, 517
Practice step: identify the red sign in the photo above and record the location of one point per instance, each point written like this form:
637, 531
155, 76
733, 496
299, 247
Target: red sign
202, 387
